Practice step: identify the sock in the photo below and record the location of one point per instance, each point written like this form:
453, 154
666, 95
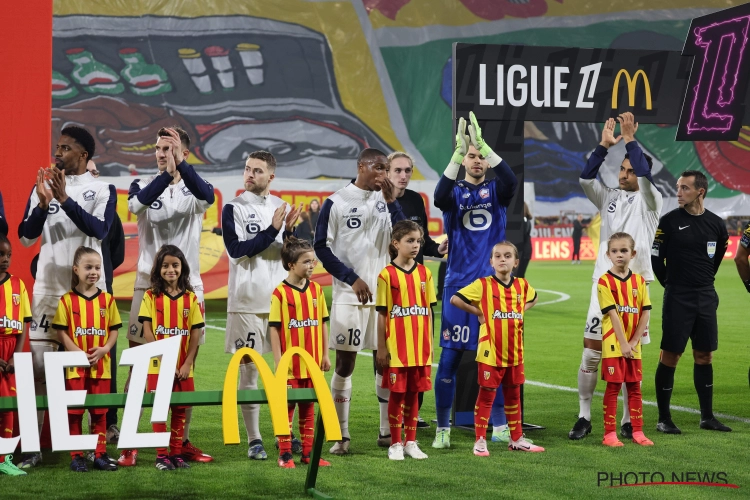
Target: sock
635, 403
188, 419
75, 422
177, 429
420, 399
482, 410
395, 415
383, 395
445, 383
626, 405
341, 390
497, 415
512, 397
664, 380
250, 413
610, 407
587, 381
160, 427
285, 442
411, 412
99, 427
703, 378
6, 427
306, 426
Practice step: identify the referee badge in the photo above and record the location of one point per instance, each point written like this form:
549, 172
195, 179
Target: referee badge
611, 370
393, 379
486, 375
711, 248
16, 299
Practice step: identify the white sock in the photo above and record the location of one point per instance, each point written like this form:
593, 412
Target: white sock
341, 389
250, 413
587, 381
383, 396
188, 418
498, 429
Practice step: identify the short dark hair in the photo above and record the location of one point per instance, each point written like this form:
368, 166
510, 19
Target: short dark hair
649, 160
82, 137
369, 154
699, 179
266, 157
292, 250
184, 137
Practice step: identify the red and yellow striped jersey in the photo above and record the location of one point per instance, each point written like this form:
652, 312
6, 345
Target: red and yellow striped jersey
407, 297
629, 297
14, 305
299, 314
170, 316
503, 306
88, 321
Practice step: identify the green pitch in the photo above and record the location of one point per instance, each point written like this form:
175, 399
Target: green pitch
566, 470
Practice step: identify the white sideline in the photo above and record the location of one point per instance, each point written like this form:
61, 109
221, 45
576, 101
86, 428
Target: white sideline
563, 297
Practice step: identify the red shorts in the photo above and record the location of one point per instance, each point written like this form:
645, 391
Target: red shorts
492, 376
92, 386
7, 380
408, 379
619, 370
299, 383
178, 385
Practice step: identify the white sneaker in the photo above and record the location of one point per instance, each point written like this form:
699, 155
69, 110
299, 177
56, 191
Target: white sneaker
341, 447
442, 438
412, 450
524, 445
396, 452
480, 448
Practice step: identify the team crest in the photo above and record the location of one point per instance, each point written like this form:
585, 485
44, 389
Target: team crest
380, 206
518, 297
393, 379
424, 287
340, 338
484, 193
34, 324
102, 312
239, 344
486, 375
711, 248
89, 195
315, 302
185, 191
611, 370
185, 313
446, 334
16, 299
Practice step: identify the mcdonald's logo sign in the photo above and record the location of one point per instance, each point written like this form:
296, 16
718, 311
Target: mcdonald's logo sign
632, 86
275, 385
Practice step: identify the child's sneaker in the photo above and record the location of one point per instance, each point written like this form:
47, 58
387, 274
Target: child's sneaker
396, 452
442, 439
127, 458
78, 464
9, 469
524, 445
321, 463
480, 448
103, 462
192, 453
412, 450
179, 462
610, 439
641, 439
286, 461
163, 463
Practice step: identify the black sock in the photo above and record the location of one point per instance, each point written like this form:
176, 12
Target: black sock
420, 398
664, 384
703, 378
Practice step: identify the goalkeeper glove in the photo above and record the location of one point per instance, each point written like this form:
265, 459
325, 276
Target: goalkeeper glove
478, 142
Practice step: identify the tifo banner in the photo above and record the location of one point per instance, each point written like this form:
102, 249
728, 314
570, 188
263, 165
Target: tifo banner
214, 259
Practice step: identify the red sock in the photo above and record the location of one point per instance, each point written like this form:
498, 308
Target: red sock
177, 430
411, 415
395, 414
306, 426
160, 427
6, 428
482, 410
512, 395
285, 442
76, 429
99, 426
610, 407
635, 403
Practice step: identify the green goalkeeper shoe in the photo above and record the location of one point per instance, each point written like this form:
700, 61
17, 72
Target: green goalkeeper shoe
442, 439
9, 469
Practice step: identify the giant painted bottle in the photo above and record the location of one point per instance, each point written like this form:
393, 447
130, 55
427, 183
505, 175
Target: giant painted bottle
93, 76
144, 79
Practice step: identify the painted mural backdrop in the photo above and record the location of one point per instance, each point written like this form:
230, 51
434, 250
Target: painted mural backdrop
316, 81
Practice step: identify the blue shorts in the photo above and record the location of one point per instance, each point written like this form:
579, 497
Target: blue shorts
458, 329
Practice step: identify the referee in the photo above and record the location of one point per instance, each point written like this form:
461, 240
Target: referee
693, 241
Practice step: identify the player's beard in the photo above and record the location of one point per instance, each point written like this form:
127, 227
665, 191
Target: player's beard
258, 189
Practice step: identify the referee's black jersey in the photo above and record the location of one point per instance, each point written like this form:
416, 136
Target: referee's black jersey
688, 249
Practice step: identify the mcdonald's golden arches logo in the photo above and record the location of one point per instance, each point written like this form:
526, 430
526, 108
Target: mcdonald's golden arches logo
632, 87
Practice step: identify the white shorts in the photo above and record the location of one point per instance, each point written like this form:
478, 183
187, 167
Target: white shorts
594, 320
247, 330
135, 327
38, 348
353, 328
43, 309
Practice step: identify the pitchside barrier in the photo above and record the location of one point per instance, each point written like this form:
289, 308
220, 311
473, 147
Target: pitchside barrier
276, 395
